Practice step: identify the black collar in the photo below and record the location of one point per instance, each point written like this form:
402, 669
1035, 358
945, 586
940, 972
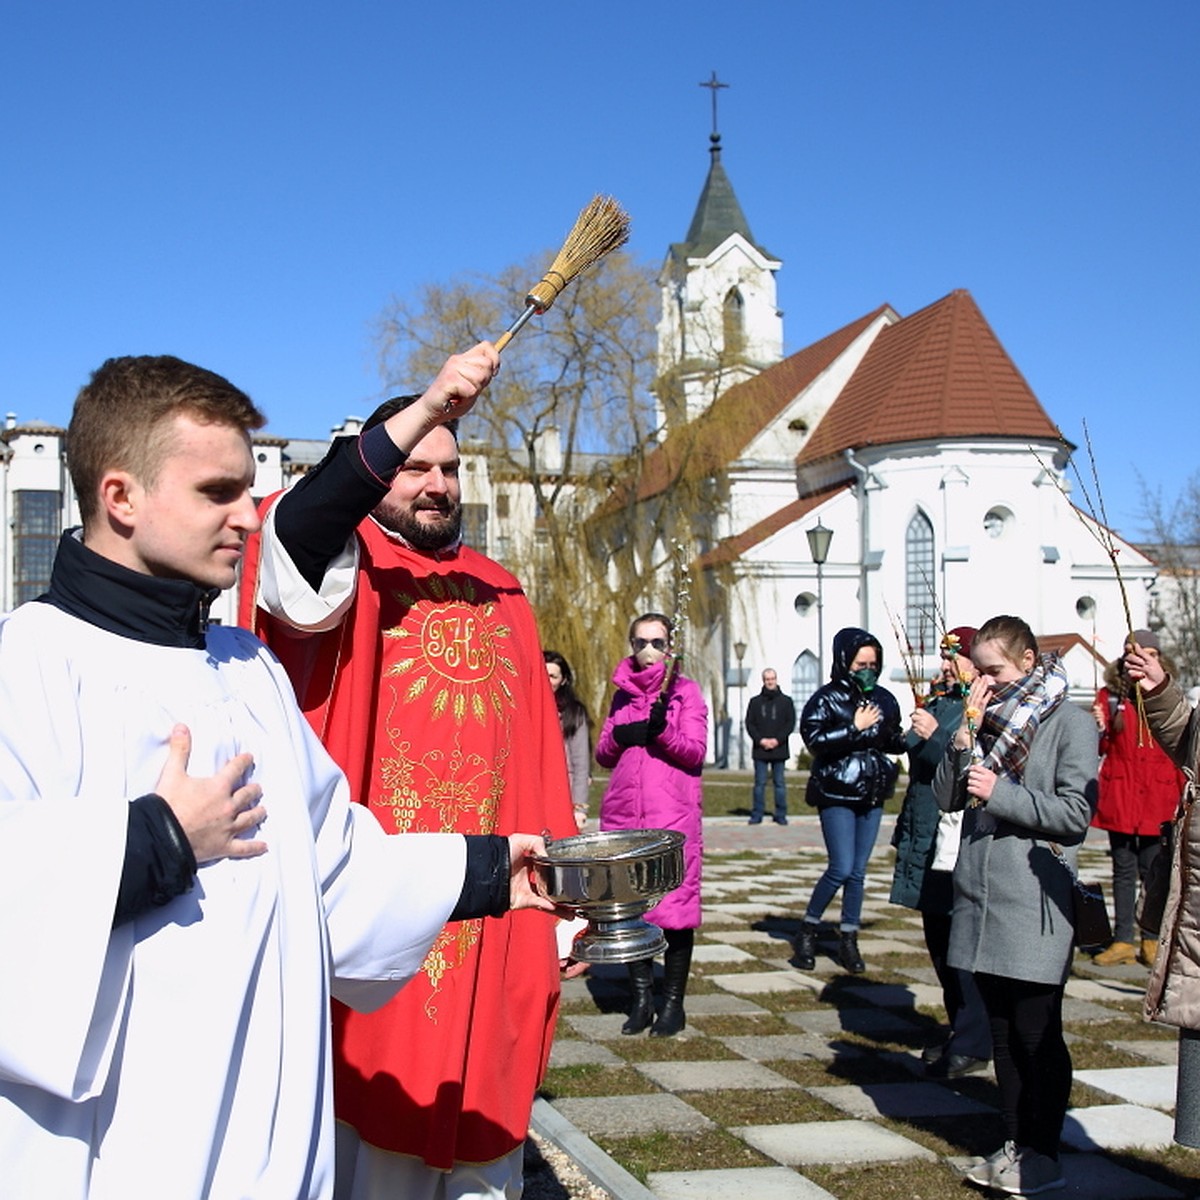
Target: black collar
146, 608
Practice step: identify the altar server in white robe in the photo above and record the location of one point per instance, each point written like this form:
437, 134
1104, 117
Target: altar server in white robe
168, 952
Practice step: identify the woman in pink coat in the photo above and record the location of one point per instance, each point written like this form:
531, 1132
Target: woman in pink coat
654, 742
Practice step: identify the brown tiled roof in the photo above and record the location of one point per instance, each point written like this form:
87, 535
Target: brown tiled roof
940, 373
719, 435
1060, 643
732, 548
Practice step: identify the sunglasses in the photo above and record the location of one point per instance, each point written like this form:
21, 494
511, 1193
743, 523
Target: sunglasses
642, 643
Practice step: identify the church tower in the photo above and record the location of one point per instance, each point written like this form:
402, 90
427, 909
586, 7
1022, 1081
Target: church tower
720, 324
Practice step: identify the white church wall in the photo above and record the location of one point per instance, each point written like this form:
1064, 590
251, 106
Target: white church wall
1004, 541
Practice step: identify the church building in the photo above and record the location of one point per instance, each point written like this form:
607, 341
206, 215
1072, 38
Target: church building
899, 474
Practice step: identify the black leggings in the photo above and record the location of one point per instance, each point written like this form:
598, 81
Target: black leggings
1033, 1064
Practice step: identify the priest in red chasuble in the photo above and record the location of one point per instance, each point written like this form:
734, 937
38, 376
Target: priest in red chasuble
417, 661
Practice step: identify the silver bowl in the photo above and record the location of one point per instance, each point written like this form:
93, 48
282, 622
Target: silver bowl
613, 879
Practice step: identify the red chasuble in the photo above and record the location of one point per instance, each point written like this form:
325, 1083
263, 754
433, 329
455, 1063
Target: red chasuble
432, 696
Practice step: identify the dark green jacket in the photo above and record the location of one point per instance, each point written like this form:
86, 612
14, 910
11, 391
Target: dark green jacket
915, 838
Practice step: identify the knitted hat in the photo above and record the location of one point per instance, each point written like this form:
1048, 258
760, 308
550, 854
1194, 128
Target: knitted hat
1147, 639
960, 639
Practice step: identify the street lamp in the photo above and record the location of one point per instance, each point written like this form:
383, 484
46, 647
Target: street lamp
739, 652
818, 546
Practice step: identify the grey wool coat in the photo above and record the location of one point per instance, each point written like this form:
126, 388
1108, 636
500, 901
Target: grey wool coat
1012, 896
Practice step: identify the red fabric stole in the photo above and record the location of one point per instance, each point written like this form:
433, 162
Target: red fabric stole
432, 697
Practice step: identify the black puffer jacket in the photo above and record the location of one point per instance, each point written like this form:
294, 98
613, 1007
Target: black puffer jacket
851, 766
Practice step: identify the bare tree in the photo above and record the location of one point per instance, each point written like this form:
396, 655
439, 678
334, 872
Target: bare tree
1173, 529
568, 428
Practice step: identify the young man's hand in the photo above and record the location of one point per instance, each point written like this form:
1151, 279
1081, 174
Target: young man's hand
214, 810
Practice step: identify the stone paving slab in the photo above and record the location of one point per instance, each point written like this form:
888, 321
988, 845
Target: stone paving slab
831, 1142
784, 900
710, 917
1085, 1012
720, 954
743, 909
899, 1100
874, 947
872, 1022
1104, 991
925, 975
1150, 1086
600, 1028
745, 937
628, 1116
896, 995
1133, 973
1156, 1049
915, 938
710, 1076
569, 1052
722, 1004
1117, 1127
752, 983
780, 1047
758, 1183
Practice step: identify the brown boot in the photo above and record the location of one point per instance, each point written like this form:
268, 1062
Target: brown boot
1116, 954
1148, 951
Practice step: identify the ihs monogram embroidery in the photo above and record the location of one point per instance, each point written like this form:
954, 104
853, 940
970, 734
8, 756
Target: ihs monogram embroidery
448, 721
450, 646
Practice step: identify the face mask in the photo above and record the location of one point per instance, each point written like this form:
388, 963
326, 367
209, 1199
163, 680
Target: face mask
647, 656
866, 678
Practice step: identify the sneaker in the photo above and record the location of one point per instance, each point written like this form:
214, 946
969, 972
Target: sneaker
781, 820
1029, 1174
1117, 954
754, 821
984, 1172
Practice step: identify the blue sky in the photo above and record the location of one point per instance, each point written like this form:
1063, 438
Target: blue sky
247, 184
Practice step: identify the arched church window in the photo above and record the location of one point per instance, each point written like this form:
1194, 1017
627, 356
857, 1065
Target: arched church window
804, 679
735, 322
920, 601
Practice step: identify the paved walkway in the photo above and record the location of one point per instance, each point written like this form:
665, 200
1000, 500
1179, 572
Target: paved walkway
839, 1054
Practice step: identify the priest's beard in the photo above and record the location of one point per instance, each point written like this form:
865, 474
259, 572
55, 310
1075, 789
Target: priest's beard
428, 534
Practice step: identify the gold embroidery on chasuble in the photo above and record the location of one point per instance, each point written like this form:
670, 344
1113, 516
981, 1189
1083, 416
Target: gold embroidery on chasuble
447, 726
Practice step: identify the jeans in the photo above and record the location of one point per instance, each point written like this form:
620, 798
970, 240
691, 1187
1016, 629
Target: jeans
1132, 855
760, 788
849, 839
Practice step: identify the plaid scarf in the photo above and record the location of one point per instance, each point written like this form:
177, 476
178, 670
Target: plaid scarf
1014, 713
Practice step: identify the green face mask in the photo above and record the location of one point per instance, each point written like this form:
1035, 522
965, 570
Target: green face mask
866, 678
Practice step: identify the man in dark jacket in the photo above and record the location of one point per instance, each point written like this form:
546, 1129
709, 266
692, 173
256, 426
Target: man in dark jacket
770, 719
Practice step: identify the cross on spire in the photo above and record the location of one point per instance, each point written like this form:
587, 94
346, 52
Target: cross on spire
714, 85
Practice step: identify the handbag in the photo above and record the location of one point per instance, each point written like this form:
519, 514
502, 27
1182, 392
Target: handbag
1092, 927
1089, 911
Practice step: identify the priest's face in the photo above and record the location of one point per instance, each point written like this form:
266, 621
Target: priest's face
424, 503
193, 520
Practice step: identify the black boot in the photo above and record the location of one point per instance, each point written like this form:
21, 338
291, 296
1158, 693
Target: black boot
675, 976
806, 946
848, 954
641, 978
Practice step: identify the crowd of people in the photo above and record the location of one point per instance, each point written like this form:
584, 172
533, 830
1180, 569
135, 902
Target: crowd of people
359, 1014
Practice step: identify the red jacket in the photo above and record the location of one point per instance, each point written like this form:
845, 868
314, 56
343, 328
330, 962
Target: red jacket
1139, 785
